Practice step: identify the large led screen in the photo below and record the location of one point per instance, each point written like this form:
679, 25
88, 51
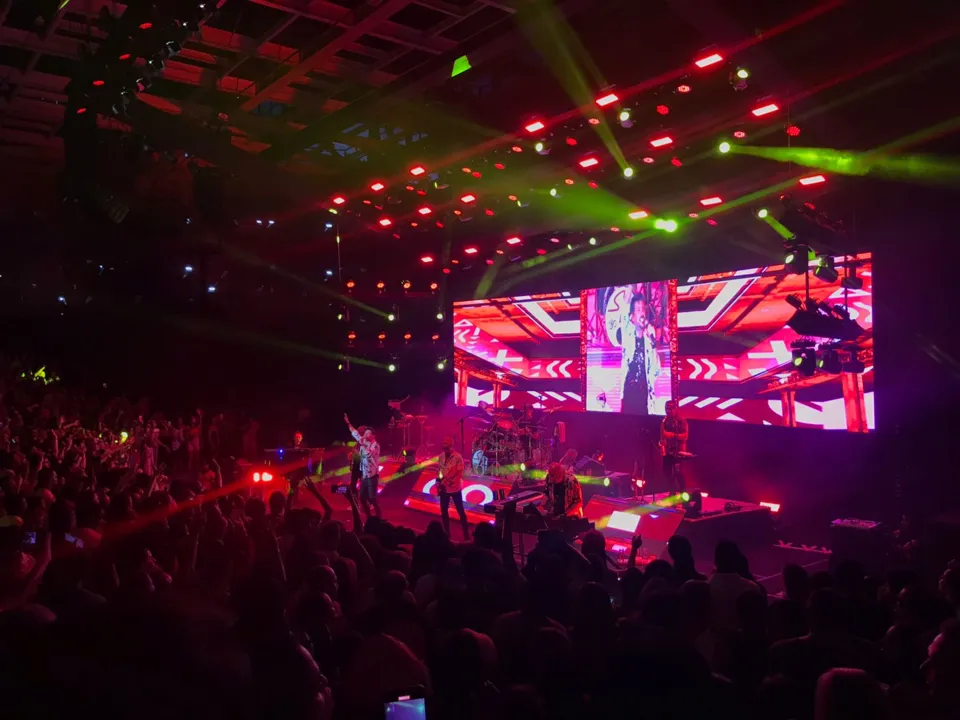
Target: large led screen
734, 351
627, 344
519, 352
719, 344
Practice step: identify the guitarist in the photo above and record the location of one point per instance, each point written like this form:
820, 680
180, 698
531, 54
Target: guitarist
673, 441
450, 486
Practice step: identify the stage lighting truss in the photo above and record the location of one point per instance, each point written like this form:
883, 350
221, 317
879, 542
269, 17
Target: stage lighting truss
821, 320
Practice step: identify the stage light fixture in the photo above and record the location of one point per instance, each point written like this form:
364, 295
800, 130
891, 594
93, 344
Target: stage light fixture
743, 73
692, 503
405, 285
539, 147
708, 60
385, 222
513, 241
812, 180
434, 337
805, 360
589, 162
624, 116
553, 192
793, 131
739, 134
638, 214
391, 317
825, 269
351, 284
762, 213
425, 210
470, 251
724, 147
592, 241
628, 172
382, 336
666, 225
391, 368
377, 186
648, 160
426, 259
661, 141
440, 316
797, 258
683, 89
441, 366
535, 126
607, 99
417, 170
710, 201
468, 198
351, 335
765, 109
663, 109
829, 361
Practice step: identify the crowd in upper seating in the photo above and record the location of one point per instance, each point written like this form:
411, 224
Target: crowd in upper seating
139, 579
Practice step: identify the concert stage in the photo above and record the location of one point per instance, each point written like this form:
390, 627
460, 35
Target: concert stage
657, 517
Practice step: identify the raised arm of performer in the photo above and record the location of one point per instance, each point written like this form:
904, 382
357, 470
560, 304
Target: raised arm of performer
450, 486
369, 467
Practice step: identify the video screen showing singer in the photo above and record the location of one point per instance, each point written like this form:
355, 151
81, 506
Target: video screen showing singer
628, 348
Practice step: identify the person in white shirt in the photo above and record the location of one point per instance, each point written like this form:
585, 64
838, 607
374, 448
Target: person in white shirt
640, 364
450, 486
369, 468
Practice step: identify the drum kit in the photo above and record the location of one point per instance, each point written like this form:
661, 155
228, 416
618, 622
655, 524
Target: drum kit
499, 440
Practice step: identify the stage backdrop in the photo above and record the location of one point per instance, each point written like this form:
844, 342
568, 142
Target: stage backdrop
719, 344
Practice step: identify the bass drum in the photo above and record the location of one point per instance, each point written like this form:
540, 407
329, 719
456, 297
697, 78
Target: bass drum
480, 463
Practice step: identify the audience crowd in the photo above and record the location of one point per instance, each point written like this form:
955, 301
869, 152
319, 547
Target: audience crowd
140, 579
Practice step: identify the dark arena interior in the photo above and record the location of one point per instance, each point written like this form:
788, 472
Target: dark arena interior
479, 359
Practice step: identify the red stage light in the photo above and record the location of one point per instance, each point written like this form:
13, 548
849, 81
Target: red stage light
714, 200
256, 477
774, 507
446, 271
793, 131
339, 200
499, 166
812, 180
377, 186
499, 251
266, 477
81, 111
594, 121
683, 88
555, 240
418, 170
517, 148
413, 224
468, 198
351, 336
512, 198
385, 222
571, 142
541, 251
739, 134
676, 162
711, 221
593, 185
765, 109
382, 336
466, 169
648, 160
709, 60
407, 336
124, 56
663, 109
424, 210
351, 284
589, 162
607, 99
470, 251
439, 224
426, 259
433, 286
693, 215
457, 212
638, 214
406, 285
513, 241
477, 174
146, 25
435, 338
535, 126
409, 187
380, 286
569, 181
489, 261
614, 228
488, 211
661, 141
98, 83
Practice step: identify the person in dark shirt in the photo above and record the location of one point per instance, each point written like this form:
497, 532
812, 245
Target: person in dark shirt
673, 441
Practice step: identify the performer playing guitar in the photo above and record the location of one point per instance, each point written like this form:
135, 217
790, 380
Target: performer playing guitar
673, 443
450, 486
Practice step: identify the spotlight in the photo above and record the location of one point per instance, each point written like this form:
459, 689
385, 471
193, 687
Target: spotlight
666, 225
829, 362
440, 316
589, 162
553, 192
638, 215
441, 366
385, 222
468, 198
628, 172
377, 186
391, 317
624, 116
418, 170
812, 180
825, 270
708, 60
724, 147
592, 241
391, 368
607, 99
762, 213
738, 79
793, 131
661, 141
805, 360
692, 503
765, 109
535, 126
539, 147
797, 258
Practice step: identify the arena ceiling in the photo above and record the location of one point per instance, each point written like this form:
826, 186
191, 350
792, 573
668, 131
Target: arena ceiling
305, 107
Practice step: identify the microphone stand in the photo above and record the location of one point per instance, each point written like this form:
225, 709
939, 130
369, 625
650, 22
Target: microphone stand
463, 447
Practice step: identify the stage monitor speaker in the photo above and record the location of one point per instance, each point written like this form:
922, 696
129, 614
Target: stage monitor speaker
866, 541
589, 467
